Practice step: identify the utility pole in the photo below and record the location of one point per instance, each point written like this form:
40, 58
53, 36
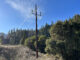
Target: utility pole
36, 14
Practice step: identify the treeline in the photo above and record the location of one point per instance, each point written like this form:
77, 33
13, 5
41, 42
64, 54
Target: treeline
61, 38
65, 39
18, 36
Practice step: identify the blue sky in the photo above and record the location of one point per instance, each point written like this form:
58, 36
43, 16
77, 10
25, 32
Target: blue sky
17, 13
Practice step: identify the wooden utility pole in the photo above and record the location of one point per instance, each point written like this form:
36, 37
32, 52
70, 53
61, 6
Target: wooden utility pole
36, 14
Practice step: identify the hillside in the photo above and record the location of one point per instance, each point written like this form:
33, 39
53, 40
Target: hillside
19, 53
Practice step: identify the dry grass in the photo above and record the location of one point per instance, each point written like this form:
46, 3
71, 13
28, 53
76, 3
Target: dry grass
18, 52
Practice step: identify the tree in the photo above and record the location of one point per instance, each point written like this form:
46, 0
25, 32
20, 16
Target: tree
66, 37
0, 41
18, 36
45, 30
50, 46
30, 42
42, 43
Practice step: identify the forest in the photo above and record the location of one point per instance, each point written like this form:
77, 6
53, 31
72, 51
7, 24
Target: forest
61, 38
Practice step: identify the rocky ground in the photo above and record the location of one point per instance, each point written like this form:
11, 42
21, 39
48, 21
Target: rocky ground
8, 52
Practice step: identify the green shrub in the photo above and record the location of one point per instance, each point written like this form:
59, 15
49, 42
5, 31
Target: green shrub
42, 43
30, 42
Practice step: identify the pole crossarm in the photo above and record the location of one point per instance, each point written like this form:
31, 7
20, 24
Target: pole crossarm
35, 12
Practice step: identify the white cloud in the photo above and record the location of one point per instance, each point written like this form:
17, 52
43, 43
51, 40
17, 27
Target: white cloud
24, 7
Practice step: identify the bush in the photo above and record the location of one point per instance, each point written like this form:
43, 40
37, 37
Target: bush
30, 42
0, 41
50, 46
41, 43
